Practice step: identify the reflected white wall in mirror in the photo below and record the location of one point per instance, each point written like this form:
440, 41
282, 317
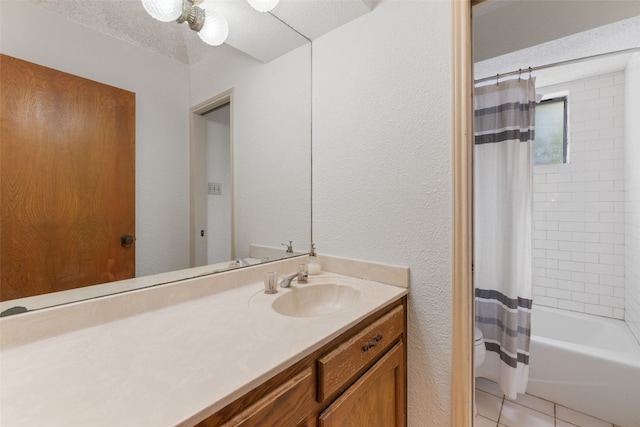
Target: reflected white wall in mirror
218, 227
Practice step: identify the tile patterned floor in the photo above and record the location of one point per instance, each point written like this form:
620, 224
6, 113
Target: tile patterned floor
494, 410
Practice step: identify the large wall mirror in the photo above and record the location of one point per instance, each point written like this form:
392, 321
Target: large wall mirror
265, 68
255, 90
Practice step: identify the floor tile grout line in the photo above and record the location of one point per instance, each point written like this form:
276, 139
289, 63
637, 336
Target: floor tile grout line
555, 409
500, 411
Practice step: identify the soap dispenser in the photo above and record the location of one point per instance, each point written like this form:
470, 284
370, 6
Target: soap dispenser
313, 266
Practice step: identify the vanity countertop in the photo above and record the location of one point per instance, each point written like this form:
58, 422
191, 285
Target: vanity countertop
169, 366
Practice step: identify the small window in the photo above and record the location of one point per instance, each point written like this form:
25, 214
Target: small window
550, 145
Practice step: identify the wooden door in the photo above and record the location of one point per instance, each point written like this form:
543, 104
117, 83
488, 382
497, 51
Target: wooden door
377, 399
67, 181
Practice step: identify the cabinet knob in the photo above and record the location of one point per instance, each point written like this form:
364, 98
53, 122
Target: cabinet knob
375, 342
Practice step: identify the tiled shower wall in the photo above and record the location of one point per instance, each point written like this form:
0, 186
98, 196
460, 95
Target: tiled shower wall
632, 199
579, 223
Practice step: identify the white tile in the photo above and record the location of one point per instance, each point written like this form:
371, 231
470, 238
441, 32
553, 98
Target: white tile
585, 298
584, 257
571, 285
598, 310
612, 301
598, 248
559, 274
545, 301
572, 226
599, 82
489, 386
599, 207
598, 289
514, 415
586, 237
559, 293
545, 281
577, 276
488, 405
612, 259
535, 403
599, 227
480, 421
571, 265
578, 418
571, 246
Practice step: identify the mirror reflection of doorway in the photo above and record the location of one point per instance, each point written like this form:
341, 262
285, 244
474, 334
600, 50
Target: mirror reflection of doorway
212, 185
218, 233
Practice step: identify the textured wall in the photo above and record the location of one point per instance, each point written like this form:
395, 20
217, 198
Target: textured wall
382, 170
162, 97
579, 206
632, 201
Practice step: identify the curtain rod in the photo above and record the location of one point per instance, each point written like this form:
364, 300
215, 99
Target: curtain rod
555, 64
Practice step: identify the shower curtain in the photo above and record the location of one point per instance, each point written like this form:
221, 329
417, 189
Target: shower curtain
503, 181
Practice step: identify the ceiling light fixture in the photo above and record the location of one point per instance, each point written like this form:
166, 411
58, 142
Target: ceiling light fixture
212, 27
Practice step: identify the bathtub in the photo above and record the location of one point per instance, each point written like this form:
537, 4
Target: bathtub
587, 363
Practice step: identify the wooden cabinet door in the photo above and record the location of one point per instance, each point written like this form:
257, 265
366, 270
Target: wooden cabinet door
286, 406
377, 399
67, 163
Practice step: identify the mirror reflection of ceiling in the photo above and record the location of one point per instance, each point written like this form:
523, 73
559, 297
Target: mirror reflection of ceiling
254, 33
513, 34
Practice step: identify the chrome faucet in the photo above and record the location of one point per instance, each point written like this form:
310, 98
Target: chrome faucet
289, 247
300, 275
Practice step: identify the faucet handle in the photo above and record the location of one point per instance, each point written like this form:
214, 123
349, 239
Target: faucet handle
303, 273
289, 247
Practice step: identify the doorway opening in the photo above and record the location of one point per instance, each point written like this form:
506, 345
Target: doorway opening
212, 224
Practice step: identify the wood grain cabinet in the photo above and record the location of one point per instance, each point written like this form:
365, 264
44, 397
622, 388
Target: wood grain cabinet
358, 379
375, 400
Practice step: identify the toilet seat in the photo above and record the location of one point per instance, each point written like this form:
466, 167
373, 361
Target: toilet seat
480, 350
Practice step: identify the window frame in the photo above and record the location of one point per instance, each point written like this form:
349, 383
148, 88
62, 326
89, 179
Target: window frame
564, 98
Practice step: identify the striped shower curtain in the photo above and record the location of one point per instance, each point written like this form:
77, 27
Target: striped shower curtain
503, 180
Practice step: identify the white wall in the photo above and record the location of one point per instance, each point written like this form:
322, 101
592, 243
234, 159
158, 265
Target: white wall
579, 207
162, 101
271, 114
632, 196
219, 171
382, 170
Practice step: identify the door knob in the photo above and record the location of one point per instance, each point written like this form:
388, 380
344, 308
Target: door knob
126, 240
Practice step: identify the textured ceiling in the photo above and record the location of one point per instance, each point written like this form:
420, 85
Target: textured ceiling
619, 35
256, 34
507, 26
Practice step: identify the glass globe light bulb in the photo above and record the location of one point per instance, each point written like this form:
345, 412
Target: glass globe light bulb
215, 29
263, 5
163, 10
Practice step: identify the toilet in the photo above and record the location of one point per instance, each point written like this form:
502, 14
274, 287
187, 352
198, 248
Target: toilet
479, 353
479, 349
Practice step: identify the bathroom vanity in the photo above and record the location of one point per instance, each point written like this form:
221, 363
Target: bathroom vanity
214, 351
358, 378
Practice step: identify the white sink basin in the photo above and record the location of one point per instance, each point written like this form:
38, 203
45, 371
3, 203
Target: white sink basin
313, 299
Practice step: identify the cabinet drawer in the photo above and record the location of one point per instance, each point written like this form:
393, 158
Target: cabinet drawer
286, 406
343, 363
